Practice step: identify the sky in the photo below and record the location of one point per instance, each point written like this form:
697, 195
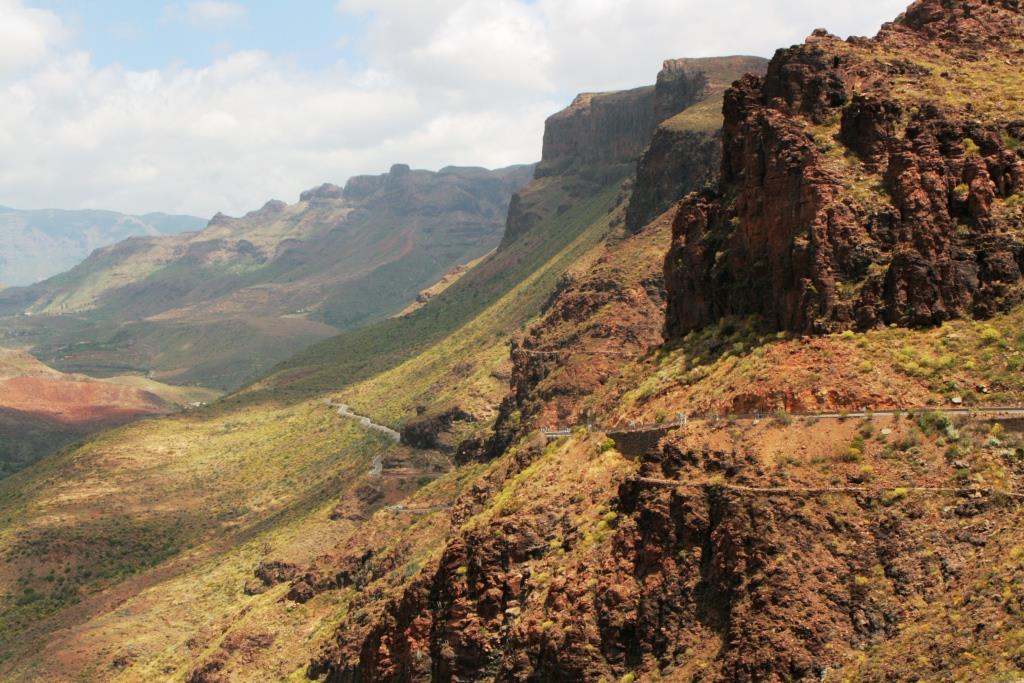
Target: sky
200, 106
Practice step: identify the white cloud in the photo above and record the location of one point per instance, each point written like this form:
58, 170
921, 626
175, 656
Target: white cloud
26, 34
580, 45
209, 14
227, 136
448, 82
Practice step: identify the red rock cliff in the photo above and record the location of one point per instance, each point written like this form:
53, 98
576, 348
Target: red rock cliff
866, 182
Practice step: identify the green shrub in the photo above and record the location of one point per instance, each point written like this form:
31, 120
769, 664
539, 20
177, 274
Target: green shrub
850, 455
933, 422
897, 494
782, 417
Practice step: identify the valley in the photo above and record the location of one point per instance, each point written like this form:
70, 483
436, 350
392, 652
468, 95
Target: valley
731, 391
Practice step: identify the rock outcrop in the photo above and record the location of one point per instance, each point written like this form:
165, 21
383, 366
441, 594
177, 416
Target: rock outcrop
596, 322
425, 431
865, 182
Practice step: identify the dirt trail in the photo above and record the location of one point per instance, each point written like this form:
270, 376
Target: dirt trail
826, 490
992, 413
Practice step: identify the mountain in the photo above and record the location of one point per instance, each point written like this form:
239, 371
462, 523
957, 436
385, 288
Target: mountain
183, 508
42, 409
35, 245
615, 462
746, 543
217, 306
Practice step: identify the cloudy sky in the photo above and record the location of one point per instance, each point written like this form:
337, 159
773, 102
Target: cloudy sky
199, 106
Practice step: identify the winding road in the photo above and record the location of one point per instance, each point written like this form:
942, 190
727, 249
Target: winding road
366, 422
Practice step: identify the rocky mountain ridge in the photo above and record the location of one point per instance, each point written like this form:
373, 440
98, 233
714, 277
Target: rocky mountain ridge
273, 281
717, 557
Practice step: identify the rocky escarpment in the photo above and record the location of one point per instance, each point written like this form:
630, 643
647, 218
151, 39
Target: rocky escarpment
685, 151
598, 139
611, 130
866, 182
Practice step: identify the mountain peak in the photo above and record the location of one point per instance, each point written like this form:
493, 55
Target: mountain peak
398, 170
964, 21
326, 191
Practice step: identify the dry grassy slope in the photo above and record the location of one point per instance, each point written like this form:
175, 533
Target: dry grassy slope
126, 558
449, 278
111, 525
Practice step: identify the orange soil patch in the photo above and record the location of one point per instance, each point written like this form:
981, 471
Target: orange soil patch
73, 401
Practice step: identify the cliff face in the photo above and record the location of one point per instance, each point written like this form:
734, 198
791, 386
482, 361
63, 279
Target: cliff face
591, 144
615, 309
598, 129
672, 127
613, 129
866, 182
685, 152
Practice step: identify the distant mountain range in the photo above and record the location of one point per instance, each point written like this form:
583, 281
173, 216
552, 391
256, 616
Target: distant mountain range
218, 306
38, 244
